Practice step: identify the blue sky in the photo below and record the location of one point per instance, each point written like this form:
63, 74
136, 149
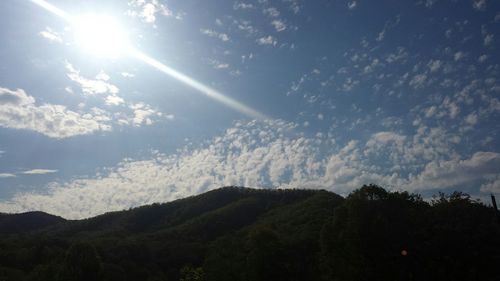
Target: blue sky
404, 94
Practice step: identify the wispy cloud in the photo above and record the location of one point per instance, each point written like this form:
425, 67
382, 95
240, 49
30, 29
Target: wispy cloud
212, 33
243, 6
7, 175
39, 172
51, 35
479, 5
352, 5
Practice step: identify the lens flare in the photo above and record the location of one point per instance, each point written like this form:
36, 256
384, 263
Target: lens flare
100, 35
104, 37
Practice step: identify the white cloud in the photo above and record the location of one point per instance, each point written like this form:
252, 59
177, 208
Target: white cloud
19, 110
479, 5
242, 6
39, 172
418, 81
114, 100
278, 25
127, 75
492, 186
434, 65
269, 154
267, 40
482, 165
147, 10
246, 26
222, 36
6, 175
458, 56
143, 114
471, 119
352, 5
272, 12
92, 86
488, 39
51, 35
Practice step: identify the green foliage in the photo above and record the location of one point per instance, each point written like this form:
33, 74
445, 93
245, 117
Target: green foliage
189, 273
82, 263
245, 234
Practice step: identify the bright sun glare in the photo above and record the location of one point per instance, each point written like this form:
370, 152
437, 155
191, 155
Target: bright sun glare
101, 35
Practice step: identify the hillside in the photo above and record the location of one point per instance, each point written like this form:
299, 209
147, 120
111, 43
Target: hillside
26, 222
247, 234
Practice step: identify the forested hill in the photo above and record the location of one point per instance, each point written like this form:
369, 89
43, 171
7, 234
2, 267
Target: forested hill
247, 234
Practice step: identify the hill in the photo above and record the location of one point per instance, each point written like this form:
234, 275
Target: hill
26, 222
246, 234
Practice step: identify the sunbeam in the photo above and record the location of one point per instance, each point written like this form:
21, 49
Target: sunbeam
103, 49
199, 86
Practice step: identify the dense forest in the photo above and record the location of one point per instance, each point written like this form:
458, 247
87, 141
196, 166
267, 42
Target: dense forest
246, 234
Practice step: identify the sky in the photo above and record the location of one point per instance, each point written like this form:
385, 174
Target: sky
187, 96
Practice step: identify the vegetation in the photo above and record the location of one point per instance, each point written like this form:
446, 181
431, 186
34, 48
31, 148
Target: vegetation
245, 234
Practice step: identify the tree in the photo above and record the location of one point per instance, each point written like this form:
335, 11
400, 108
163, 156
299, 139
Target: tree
82, 263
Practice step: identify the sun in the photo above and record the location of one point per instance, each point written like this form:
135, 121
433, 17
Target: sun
101, 36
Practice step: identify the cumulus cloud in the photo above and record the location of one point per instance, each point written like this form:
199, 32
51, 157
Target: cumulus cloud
271, 11
18, 110
143, 114
267, 40
260, 154
492, 186
278, 25
99, 85
480, 166
147, 10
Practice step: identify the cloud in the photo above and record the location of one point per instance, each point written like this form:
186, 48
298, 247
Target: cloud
217, 64
6, 175
488, 39
246, 26
96, 86
243, 6
271, 11
434, 65
149, 9
127, 75
278, 25
458, 56
19, 110
352, 5
479, 5
266, 154
267, 40
418, 81
51, 35
222, 36
492, 186
39, 172
143, 114
114, 100
481, 166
